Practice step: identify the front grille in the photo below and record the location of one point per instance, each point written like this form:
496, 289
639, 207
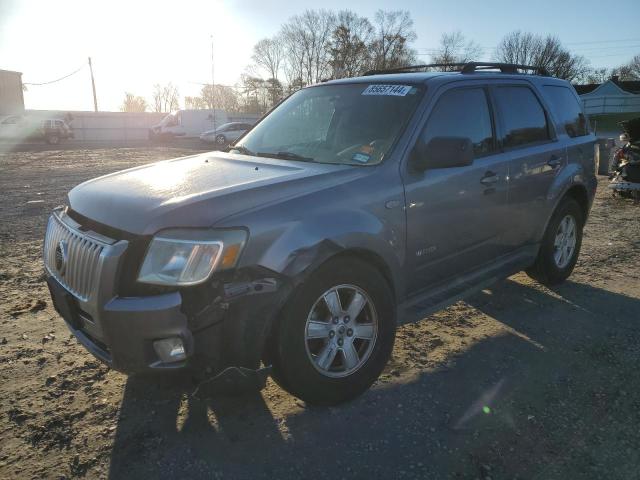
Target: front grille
72, 257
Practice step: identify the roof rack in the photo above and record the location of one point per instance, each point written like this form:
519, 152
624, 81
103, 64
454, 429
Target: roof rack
468, 67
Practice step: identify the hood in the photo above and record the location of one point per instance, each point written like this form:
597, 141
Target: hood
198, 191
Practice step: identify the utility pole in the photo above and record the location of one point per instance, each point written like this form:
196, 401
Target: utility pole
93, 87
213, 87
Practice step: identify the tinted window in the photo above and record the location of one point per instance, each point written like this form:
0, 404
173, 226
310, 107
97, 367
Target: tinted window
523, 117
462, 113
567, 110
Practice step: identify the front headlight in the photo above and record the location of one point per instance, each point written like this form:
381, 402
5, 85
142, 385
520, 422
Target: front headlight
188, 257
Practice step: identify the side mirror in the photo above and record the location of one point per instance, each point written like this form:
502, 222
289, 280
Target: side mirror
442, 152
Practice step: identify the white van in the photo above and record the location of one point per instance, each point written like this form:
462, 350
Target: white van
187, 123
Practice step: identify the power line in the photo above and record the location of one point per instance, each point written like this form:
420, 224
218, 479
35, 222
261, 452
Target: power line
57, 79
604, 41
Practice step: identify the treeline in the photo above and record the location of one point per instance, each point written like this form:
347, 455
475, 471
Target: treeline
322, 44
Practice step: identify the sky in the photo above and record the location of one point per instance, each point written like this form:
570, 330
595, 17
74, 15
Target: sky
136, 44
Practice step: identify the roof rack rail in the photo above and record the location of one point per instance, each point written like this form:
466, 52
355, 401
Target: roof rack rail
468, 67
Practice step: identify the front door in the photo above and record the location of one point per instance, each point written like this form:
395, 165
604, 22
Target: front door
455, 216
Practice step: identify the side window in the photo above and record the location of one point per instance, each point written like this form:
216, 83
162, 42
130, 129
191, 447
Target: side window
465, 113
523, 118
567, 110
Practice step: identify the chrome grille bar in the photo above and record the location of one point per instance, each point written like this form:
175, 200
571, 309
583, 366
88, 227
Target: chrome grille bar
82, 268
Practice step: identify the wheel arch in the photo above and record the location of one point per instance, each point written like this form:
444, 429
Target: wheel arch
359, 254
579, 194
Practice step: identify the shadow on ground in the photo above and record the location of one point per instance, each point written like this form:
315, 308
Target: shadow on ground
524, 404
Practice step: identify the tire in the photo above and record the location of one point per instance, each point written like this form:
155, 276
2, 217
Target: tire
297, 359
221, 140
547, 268
53, 139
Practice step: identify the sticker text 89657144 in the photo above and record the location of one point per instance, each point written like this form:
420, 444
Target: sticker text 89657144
393, 90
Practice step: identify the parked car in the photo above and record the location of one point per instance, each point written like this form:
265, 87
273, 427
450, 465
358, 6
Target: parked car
355, 204
187, 124
225, 134
22, 128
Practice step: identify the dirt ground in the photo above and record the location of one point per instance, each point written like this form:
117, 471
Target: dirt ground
518, 382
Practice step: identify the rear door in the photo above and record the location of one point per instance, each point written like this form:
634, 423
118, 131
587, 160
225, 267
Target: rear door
536, 156
455, 215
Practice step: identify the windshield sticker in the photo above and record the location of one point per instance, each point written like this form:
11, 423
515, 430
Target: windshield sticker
392, 90
360, 157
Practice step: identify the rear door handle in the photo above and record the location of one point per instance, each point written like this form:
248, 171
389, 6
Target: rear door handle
554, 161
489, 178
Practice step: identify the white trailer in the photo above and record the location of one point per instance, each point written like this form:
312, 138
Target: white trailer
188, 123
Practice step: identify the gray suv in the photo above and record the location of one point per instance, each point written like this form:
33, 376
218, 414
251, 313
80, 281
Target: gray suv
354, 205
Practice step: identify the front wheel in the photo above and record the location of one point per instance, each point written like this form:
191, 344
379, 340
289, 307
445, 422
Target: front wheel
53, 139
221, 140
336, 333
560, 245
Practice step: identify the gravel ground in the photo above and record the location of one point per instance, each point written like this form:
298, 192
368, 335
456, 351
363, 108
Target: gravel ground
518, 382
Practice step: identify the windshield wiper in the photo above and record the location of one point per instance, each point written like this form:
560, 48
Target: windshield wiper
285, 156
241, 149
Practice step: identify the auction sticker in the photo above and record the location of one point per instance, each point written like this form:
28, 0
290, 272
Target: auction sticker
393, 90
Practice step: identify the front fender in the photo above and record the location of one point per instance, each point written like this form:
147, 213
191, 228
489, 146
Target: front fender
297, 248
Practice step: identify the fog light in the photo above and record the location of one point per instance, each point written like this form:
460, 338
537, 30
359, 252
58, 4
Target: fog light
170, 349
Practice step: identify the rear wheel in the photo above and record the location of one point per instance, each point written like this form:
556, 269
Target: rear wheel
53, 139
221, 140
336, 333
560, 246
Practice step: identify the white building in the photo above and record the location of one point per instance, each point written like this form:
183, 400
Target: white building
610, 103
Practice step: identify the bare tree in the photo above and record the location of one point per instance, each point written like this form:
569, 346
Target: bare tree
393, 35
307, 38
547, 52
598, 75
629, 71
455, 48
268, 54
350, 54
225, 98
165, 98
133, 103
634, 67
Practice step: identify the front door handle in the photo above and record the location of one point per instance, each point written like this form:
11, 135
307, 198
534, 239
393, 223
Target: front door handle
489, 178
554, 161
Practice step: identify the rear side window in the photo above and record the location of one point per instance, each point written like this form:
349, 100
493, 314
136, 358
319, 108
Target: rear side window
523, 119
462, 113
567, 110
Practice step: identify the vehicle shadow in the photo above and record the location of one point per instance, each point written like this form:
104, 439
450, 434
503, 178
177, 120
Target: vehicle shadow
517, 403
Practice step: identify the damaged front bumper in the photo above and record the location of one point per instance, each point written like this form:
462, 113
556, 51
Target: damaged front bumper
215, 326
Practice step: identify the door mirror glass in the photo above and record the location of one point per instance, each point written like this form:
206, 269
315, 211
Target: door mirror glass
442, 152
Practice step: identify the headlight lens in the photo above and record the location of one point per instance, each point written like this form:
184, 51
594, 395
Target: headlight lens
189, 257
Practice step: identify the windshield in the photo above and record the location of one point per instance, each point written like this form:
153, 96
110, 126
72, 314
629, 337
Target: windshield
353, 124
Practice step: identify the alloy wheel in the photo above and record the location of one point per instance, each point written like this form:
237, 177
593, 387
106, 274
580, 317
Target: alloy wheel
564, 245
341, 331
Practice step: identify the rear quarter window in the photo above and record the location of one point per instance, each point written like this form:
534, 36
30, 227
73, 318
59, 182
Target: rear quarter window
567, 110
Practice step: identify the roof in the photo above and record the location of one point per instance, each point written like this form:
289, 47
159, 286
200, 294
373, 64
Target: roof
629, 86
